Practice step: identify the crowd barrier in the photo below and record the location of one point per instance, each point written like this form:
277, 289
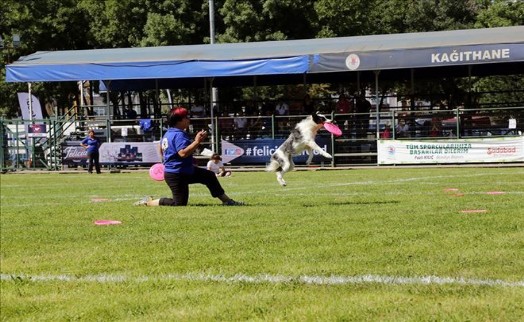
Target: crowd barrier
403, 137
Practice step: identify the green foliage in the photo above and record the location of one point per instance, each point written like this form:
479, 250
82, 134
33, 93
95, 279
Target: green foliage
166, 263
83, 24
501, 13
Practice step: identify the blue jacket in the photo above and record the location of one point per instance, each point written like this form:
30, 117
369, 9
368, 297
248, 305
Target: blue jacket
92, 144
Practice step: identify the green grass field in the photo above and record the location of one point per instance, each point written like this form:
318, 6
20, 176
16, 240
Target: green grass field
344, 245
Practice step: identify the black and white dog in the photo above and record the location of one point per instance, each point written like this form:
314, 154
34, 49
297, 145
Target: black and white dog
301, 138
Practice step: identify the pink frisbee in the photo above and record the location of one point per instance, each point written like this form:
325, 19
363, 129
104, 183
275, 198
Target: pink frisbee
474, 211
100, 200
333, 129
156, 172
107, 222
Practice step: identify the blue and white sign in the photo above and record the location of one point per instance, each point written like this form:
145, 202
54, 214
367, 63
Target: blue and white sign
260, 151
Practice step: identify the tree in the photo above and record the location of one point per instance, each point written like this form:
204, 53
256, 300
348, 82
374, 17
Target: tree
499, 14
42, 25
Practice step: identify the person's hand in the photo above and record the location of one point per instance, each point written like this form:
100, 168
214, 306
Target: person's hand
201, 136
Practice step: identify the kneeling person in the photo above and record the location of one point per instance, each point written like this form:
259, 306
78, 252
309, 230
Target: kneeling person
180, 171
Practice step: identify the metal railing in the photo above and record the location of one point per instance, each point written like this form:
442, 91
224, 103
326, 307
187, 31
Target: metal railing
357, 145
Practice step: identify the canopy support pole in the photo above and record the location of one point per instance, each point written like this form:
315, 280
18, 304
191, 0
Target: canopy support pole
32, 150
412, 89
81, 85
214, 90
470, 99
377, 109
157, 107
255, 94
212, 114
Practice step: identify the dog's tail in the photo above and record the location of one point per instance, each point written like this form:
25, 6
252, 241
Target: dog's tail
273, 165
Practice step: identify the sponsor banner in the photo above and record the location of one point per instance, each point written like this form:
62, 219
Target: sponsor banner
36, 130
23, 101
119, 153
413, 58
130, 152
73, 153
451, 151
259, 151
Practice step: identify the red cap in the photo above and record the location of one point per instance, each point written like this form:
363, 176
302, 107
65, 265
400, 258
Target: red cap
180, 112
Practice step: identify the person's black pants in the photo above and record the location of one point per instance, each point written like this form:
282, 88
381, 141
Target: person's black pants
179, 185
93, 157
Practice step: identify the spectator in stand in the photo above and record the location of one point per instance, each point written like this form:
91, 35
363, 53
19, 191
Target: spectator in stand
308, 106
436, 127
240, 122
198, 110
226, 126
216, 165
403, 129
180, 169
343, 105
281, 108
130, 113
386, 134
92, 144
362, 109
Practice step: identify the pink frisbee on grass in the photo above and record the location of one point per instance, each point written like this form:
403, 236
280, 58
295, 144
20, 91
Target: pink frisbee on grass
474, 211
107, 222
156, 172
333, 129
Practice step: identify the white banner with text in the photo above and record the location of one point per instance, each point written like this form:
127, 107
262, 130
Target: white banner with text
451, 151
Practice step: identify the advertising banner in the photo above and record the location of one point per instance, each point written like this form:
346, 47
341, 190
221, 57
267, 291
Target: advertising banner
260, 151
130, 153
413, 58
451, 151
36, 130
23, 101
118, 153
73, 154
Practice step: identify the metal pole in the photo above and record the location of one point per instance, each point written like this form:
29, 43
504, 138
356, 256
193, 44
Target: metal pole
377, 104
31, 155
81, 97
214, 91
30, 102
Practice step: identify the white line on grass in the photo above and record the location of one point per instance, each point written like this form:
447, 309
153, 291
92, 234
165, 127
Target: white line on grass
266, 278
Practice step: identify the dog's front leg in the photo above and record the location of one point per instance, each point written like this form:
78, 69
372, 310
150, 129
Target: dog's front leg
315, 146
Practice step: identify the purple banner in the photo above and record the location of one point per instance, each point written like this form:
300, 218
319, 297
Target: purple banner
73, 154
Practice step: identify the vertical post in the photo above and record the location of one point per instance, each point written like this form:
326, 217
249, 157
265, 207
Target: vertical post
108, 99
212, 115
214, 90
412, 90
81, 85
31, 154
377, 109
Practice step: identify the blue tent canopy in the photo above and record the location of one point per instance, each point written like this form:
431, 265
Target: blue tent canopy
473, 51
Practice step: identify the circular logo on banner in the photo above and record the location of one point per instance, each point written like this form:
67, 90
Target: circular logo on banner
353, 61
